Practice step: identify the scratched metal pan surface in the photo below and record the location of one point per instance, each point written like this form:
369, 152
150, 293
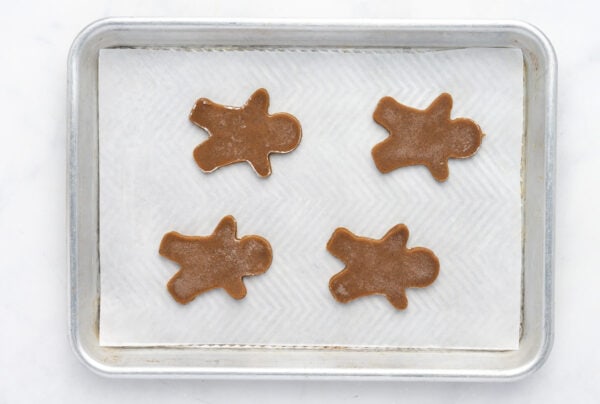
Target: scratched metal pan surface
288, 362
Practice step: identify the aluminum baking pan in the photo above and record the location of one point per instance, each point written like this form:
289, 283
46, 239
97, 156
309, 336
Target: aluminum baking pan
282, 362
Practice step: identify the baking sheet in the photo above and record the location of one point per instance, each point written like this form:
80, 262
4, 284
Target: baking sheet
149, 185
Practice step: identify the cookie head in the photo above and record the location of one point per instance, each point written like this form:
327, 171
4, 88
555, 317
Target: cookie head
284, 133
258, 254
420, 268
464, 138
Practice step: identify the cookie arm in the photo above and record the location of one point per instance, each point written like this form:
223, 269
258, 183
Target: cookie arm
441, 107
439, 169
227, 228
397, 236
258, 102
262, 165
398, 298
236, 288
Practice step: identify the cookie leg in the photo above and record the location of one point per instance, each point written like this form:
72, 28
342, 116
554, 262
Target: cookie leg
184, 291
386, 156
209, 155
342, 240
174, 246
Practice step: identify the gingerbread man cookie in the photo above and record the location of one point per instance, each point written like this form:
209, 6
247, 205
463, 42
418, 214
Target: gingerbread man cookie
247, 134
383, 267
220, 260
423, 137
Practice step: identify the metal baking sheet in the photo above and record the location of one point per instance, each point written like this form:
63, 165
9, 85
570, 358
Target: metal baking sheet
312, 361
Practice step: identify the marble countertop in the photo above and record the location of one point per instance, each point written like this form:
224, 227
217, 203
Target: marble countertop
37, 363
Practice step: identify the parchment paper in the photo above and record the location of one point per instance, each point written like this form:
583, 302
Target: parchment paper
150, 185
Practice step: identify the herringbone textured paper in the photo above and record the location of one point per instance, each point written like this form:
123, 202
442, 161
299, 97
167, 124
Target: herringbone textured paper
150, 185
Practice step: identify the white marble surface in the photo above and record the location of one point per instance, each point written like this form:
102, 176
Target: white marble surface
36, 362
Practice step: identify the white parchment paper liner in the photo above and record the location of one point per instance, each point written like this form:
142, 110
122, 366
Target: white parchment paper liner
150, 184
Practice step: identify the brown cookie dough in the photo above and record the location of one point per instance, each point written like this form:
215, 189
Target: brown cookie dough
217, 261
247, 134
427, 137
382, 267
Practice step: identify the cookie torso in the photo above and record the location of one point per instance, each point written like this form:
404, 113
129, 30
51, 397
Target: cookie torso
382, 266
219, 260
247, 133
423, 137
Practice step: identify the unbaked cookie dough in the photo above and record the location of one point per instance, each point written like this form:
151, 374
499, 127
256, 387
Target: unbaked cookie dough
382, 267
220, 260
247, 134
423, 137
